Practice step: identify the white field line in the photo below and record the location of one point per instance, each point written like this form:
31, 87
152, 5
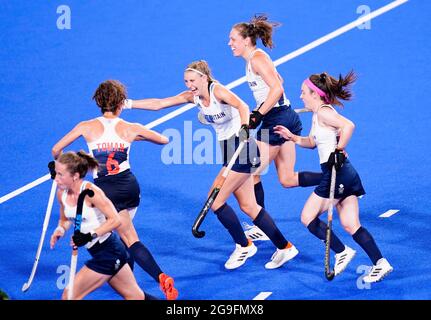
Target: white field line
25, 188
241, 80
388, 213
262, 296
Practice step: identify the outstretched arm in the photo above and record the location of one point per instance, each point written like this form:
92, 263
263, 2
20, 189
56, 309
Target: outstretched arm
158, 104
142, 133
305, 142
74, 134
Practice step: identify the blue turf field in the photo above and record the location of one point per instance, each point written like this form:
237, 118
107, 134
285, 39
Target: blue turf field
47, 79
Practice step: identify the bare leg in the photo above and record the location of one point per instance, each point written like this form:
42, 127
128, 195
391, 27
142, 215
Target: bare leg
313, 208
246, 200
124, 283
285, 164
267, 154
86, 281
233, 181
348, 210
127, 230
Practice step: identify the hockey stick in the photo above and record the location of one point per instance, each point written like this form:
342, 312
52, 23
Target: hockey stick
42, 236
200, 218
299, 110
303, 110
74, 258
329, 274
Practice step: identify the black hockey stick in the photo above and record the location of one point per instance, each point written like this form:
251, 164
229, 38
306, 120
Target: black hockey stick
77, 229
329, 274
213, 195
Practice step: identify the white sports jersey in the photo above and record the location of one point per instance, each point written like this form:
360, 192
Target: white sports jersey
258, 86
325, 137
92, 218
223, 117
110, 150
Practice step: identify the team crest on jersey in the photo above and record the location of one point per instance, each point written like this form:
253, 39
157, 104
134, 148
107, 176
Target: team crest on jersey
341, 189
255, 162
117, 264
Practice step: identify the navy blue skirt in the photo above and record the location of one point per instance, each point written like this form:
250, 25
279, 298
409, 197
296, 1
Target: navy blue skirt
347, 182
108, 257
122, 189
249, 158
283, 115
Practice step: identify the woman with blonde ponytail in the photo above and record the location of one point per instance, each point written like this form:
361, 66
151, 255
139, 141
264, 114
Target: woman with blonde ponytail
229, 116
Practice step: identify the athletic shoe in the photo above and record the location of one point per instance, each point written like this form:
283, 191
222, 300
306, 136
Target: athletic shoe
167, 286
240, 255
254, 233
342, 259
280, 257
381, 269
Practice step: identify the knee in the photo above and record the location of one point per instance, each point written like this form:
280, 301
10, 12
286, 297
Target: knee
305, 220
288, 181
217, 206
248, 209
350, 228
137, 295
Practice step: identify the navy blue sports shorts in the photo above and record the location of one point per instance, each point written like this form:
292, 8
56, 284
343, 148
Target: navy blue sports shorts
122, 189
347, 182
283, 115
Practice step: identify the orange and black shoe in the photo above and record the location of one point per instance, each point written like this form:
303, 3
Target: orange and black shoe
167, 286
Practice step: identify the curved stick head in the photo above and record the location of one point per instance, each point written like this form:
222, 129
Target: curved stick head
197, 233
87, 192
329, 275
25, 287
79, 207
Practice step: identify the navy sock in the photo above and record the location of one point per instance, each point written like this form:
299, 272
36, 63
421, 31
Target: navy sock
145, 260
130, 260
259, 194
230, 221
308, 179
366, 241
267, 225
318, 228
149, 296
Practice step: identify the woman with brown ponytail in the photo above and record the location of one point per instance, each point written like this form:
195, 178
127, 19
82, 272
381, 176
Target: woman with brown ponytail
108, 261
330, 133
109, 139
272, 105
